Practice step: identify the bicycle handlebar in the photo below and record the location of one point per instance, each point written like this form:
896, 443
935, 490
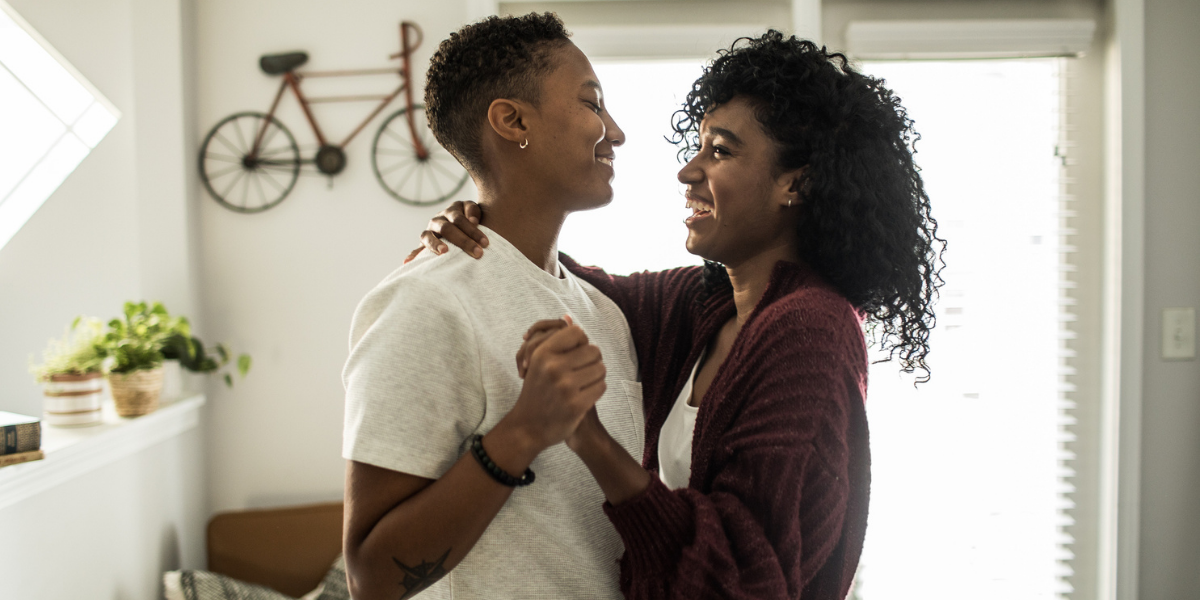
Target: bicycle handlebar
413, 46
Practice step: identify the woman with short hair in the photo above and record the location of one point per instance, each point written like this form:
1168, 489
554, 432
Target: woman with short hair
440, 430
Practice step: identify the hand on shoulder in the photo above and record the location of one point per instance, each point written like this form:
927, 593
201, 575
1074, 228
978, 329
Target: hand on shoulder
458, 225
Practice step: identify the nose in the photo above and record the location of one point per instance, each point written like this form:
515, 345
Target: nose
616, 136
691, 173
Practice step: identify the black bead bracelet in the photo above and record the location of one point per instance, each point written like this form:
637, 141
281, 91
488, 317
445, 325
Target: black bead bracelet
496, 472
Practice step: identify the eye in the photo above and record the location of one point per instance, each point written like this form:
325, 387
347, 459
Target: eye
595, 107
720, 151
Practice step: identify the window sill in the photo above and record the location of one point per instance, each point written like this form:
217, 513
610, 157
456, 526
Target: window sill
72, 452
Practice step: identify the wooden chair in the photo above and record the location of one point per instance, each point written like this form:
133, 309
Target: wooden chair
286, 549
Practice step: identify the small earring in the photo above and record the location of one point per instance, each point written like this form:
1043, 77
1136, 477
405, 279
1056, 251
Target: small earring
789, 202
525, 144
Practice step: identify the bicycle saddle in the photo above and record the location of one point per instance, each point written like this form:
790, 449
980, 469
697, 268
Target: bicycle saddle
278, 64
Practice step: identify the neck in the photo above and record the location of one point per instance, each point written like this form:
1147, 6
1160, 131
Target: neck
751, 277
525, 224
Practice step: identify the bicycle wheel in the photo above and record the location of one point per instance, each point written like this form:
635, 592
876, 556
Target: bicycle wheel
407, 177
243, 182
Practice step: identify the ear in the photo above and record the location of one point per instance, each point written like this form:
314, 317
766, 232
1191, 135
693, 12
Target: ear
507, 118
792, 187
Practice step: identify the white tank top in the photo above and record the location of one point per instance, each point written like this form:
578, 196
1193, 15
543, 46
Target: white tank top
675, 438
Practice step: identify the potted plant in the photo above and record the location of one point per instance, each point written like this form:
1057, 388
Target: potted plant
134, 344
72, 374
191, 354
174, 352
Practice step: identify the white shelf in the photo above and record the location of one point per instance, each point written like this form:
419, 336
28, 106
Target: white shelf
72, 452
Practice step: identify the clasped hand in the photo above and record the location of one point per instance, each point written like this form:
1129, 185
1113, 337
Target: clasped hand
564, 378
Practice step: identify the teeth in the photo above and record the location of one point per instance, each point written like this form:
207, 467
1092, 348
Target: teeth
605, 160
697, 207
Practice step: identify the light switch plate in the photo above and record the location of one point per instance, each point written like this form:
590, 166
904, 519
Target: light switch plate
1179, 333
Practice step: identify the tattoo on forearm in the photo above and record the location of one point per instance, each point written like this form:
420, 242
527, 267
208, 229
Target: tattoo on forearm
421, 576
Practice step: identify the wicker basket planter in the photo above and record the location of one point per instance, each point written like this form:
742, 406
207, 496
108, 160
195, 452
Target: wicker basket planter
73, 400
136, 394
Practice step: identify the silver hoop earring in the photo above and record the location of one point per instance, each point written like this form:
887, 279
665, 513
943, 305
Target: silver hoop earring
525, 144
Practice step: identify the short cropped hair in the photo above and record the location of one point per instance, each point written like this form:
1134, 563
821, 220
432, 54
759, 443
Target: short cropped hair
498, 57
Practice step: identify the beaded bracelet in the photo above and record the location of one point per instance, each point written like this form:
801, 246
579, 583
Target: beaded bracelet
496, 472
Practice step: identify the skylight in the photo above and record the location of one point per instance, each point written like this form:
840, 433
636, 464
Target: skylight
51, 118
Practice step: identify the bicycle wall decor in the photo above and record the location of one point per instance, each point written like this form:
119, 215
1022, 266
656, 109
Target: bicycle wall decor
249, 162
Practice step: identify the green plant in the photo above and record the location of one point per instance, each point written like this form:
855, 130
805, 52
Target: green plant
192, 355
135, 342
80, 351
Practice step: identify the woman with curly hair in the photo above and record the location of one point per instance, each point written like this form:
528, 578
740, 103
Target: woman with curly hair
811, 217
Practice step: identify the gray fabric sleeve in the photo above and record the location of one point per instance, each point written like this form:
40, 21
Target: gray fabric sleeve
414, 390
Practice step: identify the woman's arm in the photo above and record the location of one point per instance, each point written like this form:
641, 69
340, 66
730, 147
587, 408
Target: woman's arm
784, 472
674, 539
618, 474
773, 516
732, 541
403, 533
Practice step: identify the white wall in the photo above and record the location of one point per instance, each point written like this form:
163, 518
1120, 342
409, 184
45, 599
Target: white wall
116, 230
1170, 541
80, 253
110, 533
283, 284
166, 228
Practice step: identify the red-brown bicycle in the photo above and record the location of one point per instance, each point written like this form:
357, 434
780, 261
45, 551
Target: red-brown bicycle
250, 162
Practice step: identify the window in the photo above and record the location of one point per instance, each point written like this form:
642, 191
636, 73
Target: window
51, 118
629, 235
968, 475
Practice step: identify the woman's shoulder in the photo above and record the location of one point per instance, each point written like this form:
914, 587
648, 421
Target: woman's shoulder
815, 305
808, 344
811, 325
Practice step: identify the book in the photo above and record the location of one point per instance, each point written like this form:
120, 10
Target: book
19, 433
20, 457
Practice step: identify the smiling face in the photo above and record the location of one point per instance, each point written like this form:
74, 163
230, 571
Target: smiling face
571, 135
737, 195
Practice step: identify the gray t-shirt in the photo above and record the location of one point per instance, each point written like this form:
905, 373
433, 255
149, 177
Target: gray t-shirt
433, 361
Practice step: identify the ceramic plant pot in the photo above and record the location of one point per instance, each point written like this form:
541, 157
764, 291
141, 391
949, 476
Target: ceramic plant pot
73, 400
135, 394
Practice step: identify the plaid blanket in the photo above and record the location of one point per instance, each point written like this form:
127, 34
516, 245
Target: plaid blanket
201, 585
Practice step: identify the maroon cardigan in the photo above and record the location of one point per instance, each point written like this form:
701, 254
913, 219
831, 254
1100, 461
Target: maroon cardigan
777, 502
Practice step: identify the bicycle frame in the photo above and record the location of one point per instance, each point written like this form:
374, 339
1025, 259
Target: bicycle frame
292, 80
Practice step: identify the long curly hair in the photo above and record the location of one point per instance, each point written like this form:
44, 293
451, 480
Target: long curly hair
865, 222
